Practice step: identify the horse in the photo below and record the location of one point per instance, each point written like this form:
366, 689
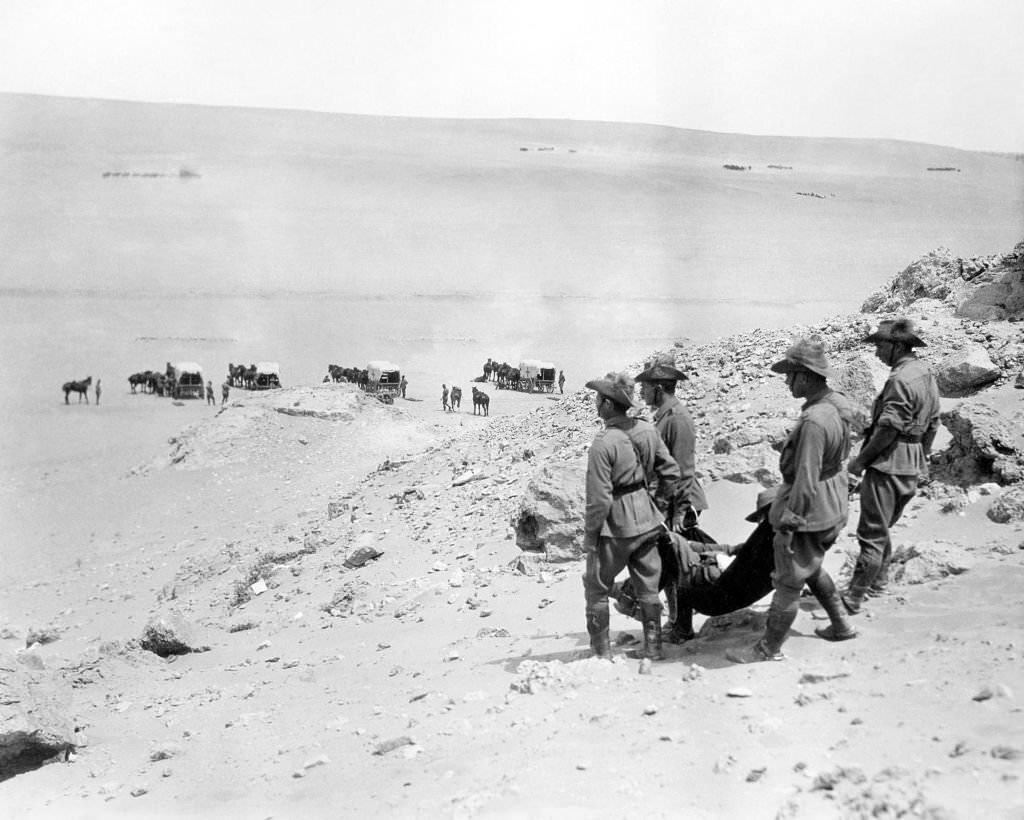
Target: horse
81, 388
482, 402
456, 397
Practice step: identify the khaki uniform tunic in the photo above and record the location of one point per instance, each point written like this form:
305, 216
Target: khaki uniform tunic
815, 492
611, 466
675, 426
909, 404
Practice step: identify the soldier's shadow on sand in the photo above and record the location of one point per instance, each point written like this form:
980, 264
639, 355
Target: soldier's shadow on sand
708, 652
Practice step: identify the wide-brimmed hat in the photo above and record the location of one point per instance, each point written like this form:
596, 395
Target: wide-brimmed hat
616, 386
764, 499
805, 354
662, 369
902, 331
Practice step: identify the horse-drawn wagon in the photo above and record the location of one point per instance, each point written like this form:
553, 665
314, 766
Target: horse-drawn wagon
187, 378
536, 375
384, 379
268, 376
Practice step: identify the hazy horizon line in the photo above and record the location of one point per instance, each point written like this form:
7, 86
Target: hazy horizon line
439, 118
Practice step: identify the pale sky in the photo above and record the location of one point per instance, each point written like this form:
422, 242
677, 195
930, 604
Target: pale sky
949, 72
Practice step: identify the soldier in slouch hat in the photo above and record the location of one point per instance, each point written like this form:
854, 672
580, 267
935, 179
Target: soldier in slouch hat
893, 458
622, 523
812, 505
675, 426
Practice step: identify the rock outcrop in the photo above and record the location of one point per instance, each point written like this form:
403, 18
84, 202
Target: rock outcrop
35, 724
979, 288
985, 446
966, 371
550, 514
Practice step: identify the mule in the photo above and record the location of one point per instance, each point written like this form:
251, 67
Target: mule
482, 402
81, 388
456, 397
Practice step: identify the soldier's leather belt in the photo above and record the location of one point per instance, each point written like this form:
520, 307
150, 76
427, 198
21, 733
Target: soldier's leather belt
908, 439
626, 489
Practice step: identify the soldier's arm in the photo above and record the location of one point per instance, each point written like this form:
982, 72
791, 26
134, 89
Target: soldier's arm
810, 451
667, 470
599, 492
881, 442
897, 413
684, 443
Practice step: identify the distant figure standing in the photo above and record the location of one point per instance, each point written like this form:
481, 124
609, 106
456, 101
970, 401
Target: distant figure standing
444, 396
224, 390
98, 390
209, 393
561, 381
403, 384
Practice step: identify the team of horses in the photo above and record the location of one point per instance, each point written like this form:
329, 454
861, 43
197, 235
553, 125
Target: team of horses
504, 376
355, 375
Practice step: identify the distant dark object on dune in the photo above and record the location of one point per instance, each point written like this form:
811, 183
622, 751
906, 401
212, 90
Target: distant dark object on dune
183, 173
737, 167
782, 167
946, 168
812, 194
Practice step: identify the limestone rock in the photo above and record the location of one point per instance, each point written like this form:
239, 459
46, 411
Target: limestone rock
933, 276
919, 563
966, 371
550, 514
1008, 507
35, 716
170, 633
985, 446
996, 288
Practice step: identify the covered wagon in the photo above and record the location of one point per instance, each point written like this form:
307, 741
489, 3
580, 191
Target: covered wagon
187, 380
268, 376
384, 379
535, 374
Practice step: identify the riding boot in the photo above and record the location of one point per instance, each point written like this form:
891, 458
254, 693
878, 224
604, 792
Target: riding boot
881, 582
651, 614
775, 631
597, 628
682, 629
853, 598
824, 589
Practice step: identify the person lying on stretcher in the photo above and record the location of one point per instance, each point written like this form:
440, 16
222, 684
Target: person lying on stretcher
691, 568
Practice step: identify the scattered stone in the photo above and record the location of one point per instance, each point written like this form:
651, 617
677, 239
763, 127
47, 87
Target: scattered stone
362, 556
1002, 752
138, 791
390, 745
756, 774
739, 692
170, 634
1008, 507
965, 371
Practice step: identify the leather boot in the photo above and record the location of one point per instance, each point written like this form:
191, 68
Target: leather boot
650, 615
682, 629
769, 648
853, 598
775, 631
597, 628
824, 589
881, 582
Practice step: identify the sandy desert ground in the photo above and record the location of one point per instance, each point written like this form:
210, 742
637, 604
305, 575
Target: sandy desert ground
449, 676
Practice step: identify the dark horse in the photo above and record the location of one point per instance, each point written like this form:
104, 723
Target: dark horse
482, 402
81, 388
